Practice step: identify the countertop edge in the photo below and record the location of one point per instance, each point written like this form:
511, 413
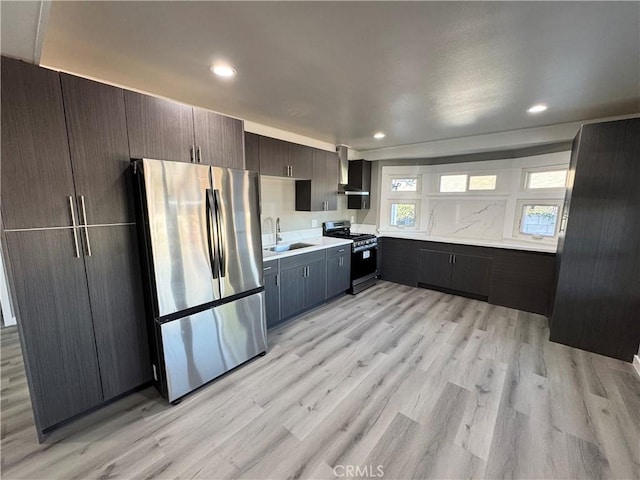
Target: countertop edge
321, 243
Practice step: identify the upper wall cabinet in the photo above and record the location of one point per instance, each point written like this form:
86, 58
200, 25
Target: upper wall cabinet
97, 126
168, 130
273, 153
159, 128
218, 139
252, 151
300, 160
319, 193
359, 177
37, 182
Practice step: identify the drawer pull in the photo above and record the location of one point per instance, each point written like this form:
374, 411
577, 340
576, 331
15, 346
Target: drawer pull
266, 268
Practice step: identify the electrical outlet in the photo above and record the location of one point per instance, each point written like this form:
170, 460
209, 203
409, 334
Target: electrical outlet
314, 223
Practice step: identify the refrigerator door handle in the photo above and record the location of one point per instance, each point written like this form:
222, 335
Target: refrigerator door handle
73, 228
219, 227
86, 227
212, 250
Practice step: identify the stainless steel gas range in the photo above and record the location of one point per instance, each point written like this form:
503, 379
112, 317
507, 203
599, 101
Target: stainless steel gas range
364, 254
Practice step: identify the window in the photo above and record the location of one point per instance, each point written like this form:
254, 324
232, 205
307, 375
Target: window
453, 183
538, 220
403, 215
462, 182
404, 184
546, 179
482, 182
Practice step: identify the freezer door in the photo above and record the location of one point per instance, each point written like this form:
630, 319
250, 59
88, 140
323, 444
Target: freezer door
238, 220
203, 346
181, 249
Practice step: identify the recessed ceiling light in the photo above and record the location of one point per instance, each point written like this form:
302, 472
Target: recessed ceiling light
537, 108
224, 71
379, 135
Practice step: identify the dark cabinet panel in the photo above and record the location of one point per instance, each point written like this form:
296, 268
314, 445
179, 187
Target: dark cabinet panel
272, 294
292, 291
435, 268
219, 139
36, 169
471, 274
55, 321
252, 151
115, 291
273, 153
598, 290
331, 180
159, 128
300, 160
400, 261
315, 285
359, 177
97, 125
338, 274
522, 280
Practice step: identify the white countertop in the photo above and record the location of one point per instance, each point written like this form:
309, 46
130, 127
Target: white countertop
317, 243
513, 245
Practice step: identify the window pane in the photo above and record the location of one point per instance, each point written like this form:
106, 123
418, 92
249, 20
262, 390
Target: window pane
551, 179
453, 183
482, 182
403, 214
539, 220
404, 184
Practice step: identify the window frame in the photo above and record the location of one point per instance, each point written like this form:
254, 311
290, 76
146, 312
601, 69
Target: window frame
526, 173
405, 193
468, 191
539, 202
412, 201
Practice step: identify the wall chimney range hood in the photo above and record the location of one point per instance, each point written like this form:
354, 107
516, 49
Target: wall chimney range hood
345, 187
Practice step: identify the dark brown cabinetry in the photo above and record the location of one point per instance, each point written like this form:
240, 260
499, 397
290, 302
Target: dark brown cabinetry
522, 280
159, 128
518, 279
456, 267
273, 154
272, 293
218, 139
319, 193
303, 282
168, 130
360, 178
598, 288
74, 275
300, 161
338, 270
36, 171
97, 127
56, 327
252, 151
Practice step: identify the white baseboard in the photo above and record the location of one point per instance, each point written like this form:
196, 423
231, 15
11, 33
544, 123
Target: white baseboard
636, 364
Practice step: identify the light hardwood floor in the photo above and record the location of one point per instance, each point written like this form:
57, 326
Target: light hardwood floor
420, 383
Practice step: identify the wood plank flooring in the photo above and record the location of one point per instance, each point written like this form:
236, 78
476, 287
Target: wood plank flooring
396, 382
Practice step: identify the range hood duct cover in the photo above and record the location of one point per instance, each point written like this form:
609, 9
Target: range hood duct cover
344, 187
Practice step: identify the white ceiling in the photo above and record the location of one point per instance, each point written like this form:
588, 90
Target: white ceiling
340, 71
22, 25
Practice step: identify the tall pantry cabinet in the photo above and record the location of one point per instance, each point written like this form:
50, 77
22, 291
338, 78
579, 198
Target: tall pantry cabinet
70, 240
597, 300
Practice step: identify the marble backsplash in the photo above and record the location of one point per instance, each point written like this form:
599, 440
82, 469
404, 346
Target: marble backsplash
466, 218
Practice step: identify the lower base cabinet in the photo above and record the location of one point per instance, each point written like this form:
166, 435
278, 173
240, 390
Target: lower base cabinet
338, 271
81, 317
298, 283
512, 278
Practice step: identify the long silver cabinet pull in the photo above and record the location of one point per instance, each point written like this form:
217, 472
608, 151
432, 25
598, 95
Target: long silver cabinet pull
277, 279
266, 268
192, 153
86, 227
199, 154
73, 221
454, 259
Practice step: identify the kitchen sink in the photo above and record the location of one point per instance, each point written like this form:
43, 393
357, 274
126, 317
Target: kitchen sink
286, 248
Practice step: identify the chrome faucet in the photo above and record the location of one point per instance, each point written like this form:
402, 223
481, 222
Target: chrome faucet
278, 236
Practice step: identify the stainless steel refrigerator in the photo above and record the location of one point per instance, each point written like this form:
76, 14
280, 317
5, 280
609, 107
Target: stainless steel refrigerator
201, 251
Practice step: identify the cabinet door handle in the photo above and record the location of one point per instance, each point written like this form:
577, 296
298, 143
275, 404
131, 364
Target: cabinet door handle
454, 258
277, 279
199, 154
341, 250
266, 268
86, 228
451, 258
73, 228
290, 171
192, 153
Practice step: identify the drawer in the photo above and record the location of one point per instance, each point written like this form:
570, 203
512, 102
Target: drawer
302, 259
340, 250
270, 268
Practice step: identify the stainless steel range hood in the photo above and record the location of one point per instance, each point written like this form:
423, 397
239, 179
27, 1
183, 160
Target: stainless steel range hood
344, 187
